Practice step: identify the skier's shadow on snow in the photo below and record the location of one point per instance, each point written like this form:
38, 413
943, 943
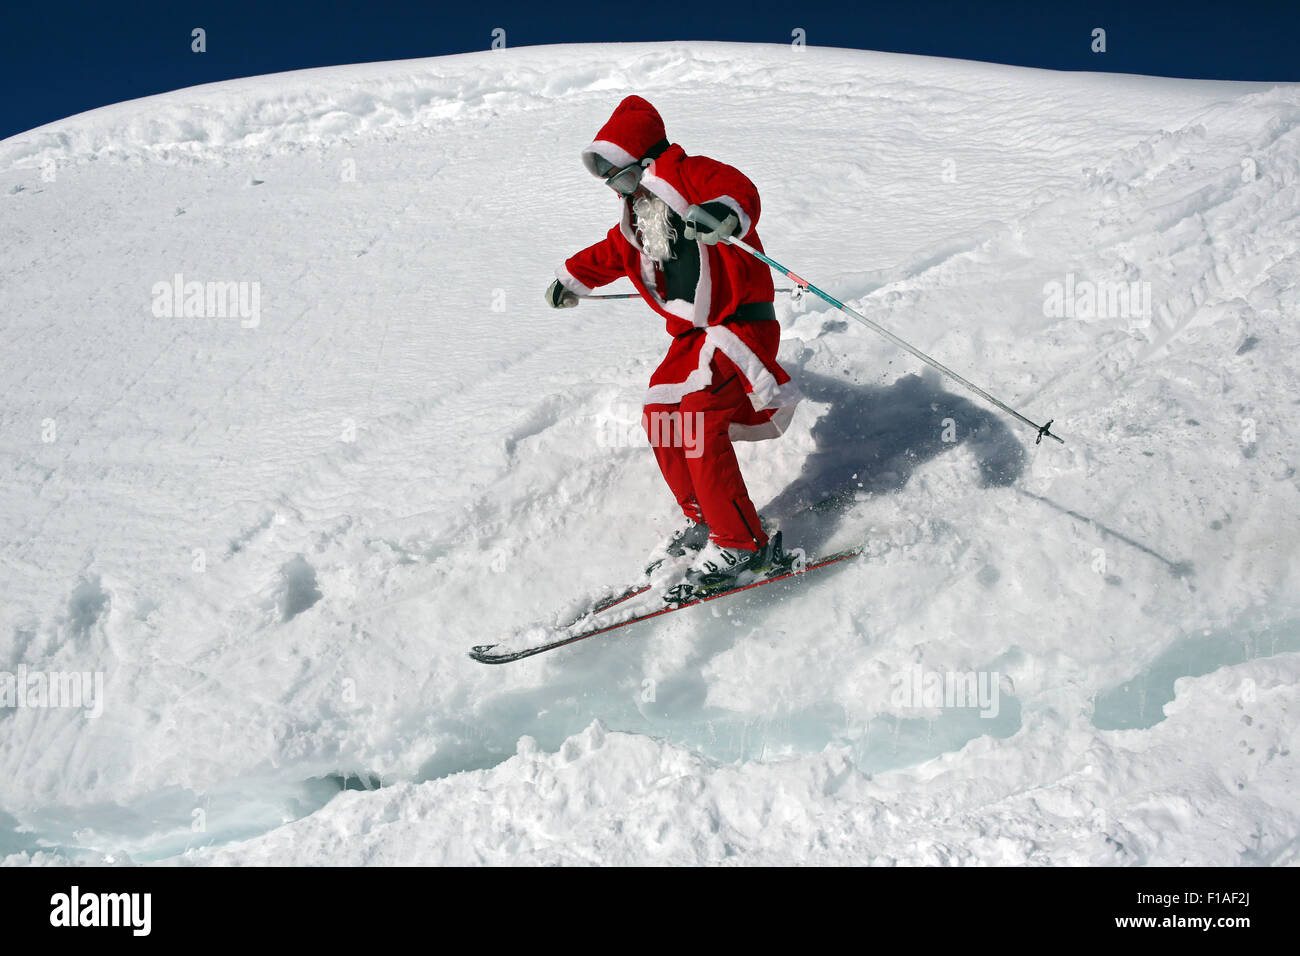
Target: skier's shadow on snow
873, 438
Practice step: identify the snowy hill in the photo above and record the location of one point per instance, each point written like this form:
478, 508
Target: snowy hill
274, 534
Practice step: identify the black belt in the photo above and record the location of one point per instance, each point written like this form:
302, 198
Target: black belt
752, 312
749, 312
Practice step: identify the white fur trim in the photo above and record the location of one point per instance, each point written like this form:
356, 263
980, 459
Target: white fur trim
625, 226
774, 427
763, 382
569, 282
648, 275
680, 308
787, 394
670, 393
611, 152
766, 392
745, 224
657, 186
703, 289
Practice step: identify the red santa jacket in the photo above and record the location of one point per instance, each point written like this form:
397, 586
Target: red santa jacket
727, 277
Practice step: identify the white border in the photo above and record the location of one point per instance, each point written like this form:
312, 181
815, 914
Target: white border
611, 152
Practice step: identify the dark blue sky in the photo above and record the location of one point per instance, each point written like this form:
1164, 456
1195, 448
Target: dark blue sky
57, 59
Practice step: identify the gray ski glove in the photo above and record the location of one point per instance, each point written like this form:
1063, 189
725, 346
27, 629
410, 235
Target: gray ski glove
710, 223
558, 297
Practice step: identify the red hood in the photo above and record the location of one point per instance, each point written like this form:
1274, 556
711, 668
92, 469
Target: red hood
632, 131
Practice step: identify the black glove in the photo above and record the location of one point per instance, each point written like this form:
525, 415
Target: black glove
710, 223
558, 297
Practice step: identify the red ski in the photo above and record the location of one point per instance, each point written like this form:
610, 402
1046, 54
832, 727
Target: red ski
598, 620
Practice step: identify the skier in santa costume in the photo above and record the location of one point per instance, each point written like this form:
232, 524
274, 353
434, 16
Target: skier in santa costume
720, 380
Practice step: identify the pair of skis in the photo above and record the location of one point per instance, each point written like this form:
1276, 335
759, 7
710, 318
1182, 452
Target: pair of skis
624, 610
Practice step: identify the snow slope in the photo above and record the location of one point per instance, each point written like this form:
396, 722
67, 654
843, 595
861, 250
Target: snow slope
275, 539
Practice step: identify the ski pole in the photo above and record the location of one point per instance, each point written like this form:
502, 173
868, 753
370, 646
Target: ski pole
1043, 430
637, 295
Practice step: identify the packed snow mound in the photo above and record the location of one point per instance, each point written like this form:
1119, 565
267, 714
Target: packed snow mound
274, 533
625, 798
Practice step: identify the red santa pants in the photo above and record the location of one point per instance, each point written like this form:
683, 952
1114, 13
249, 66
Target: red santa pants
695, 454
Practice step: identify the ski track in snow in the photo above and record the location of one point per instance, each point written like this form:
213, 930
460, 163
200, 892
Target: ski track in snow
1135, 589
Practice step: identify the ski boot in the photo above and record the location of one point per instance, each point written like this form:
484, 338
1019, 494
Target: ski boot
717, 569
689, 538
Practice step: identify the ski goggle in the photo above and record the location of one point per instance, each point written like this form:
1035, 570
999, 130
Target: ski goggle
624, 180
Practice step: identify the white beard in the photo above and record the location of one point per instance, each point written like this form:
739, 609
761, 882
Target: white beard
652, 223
